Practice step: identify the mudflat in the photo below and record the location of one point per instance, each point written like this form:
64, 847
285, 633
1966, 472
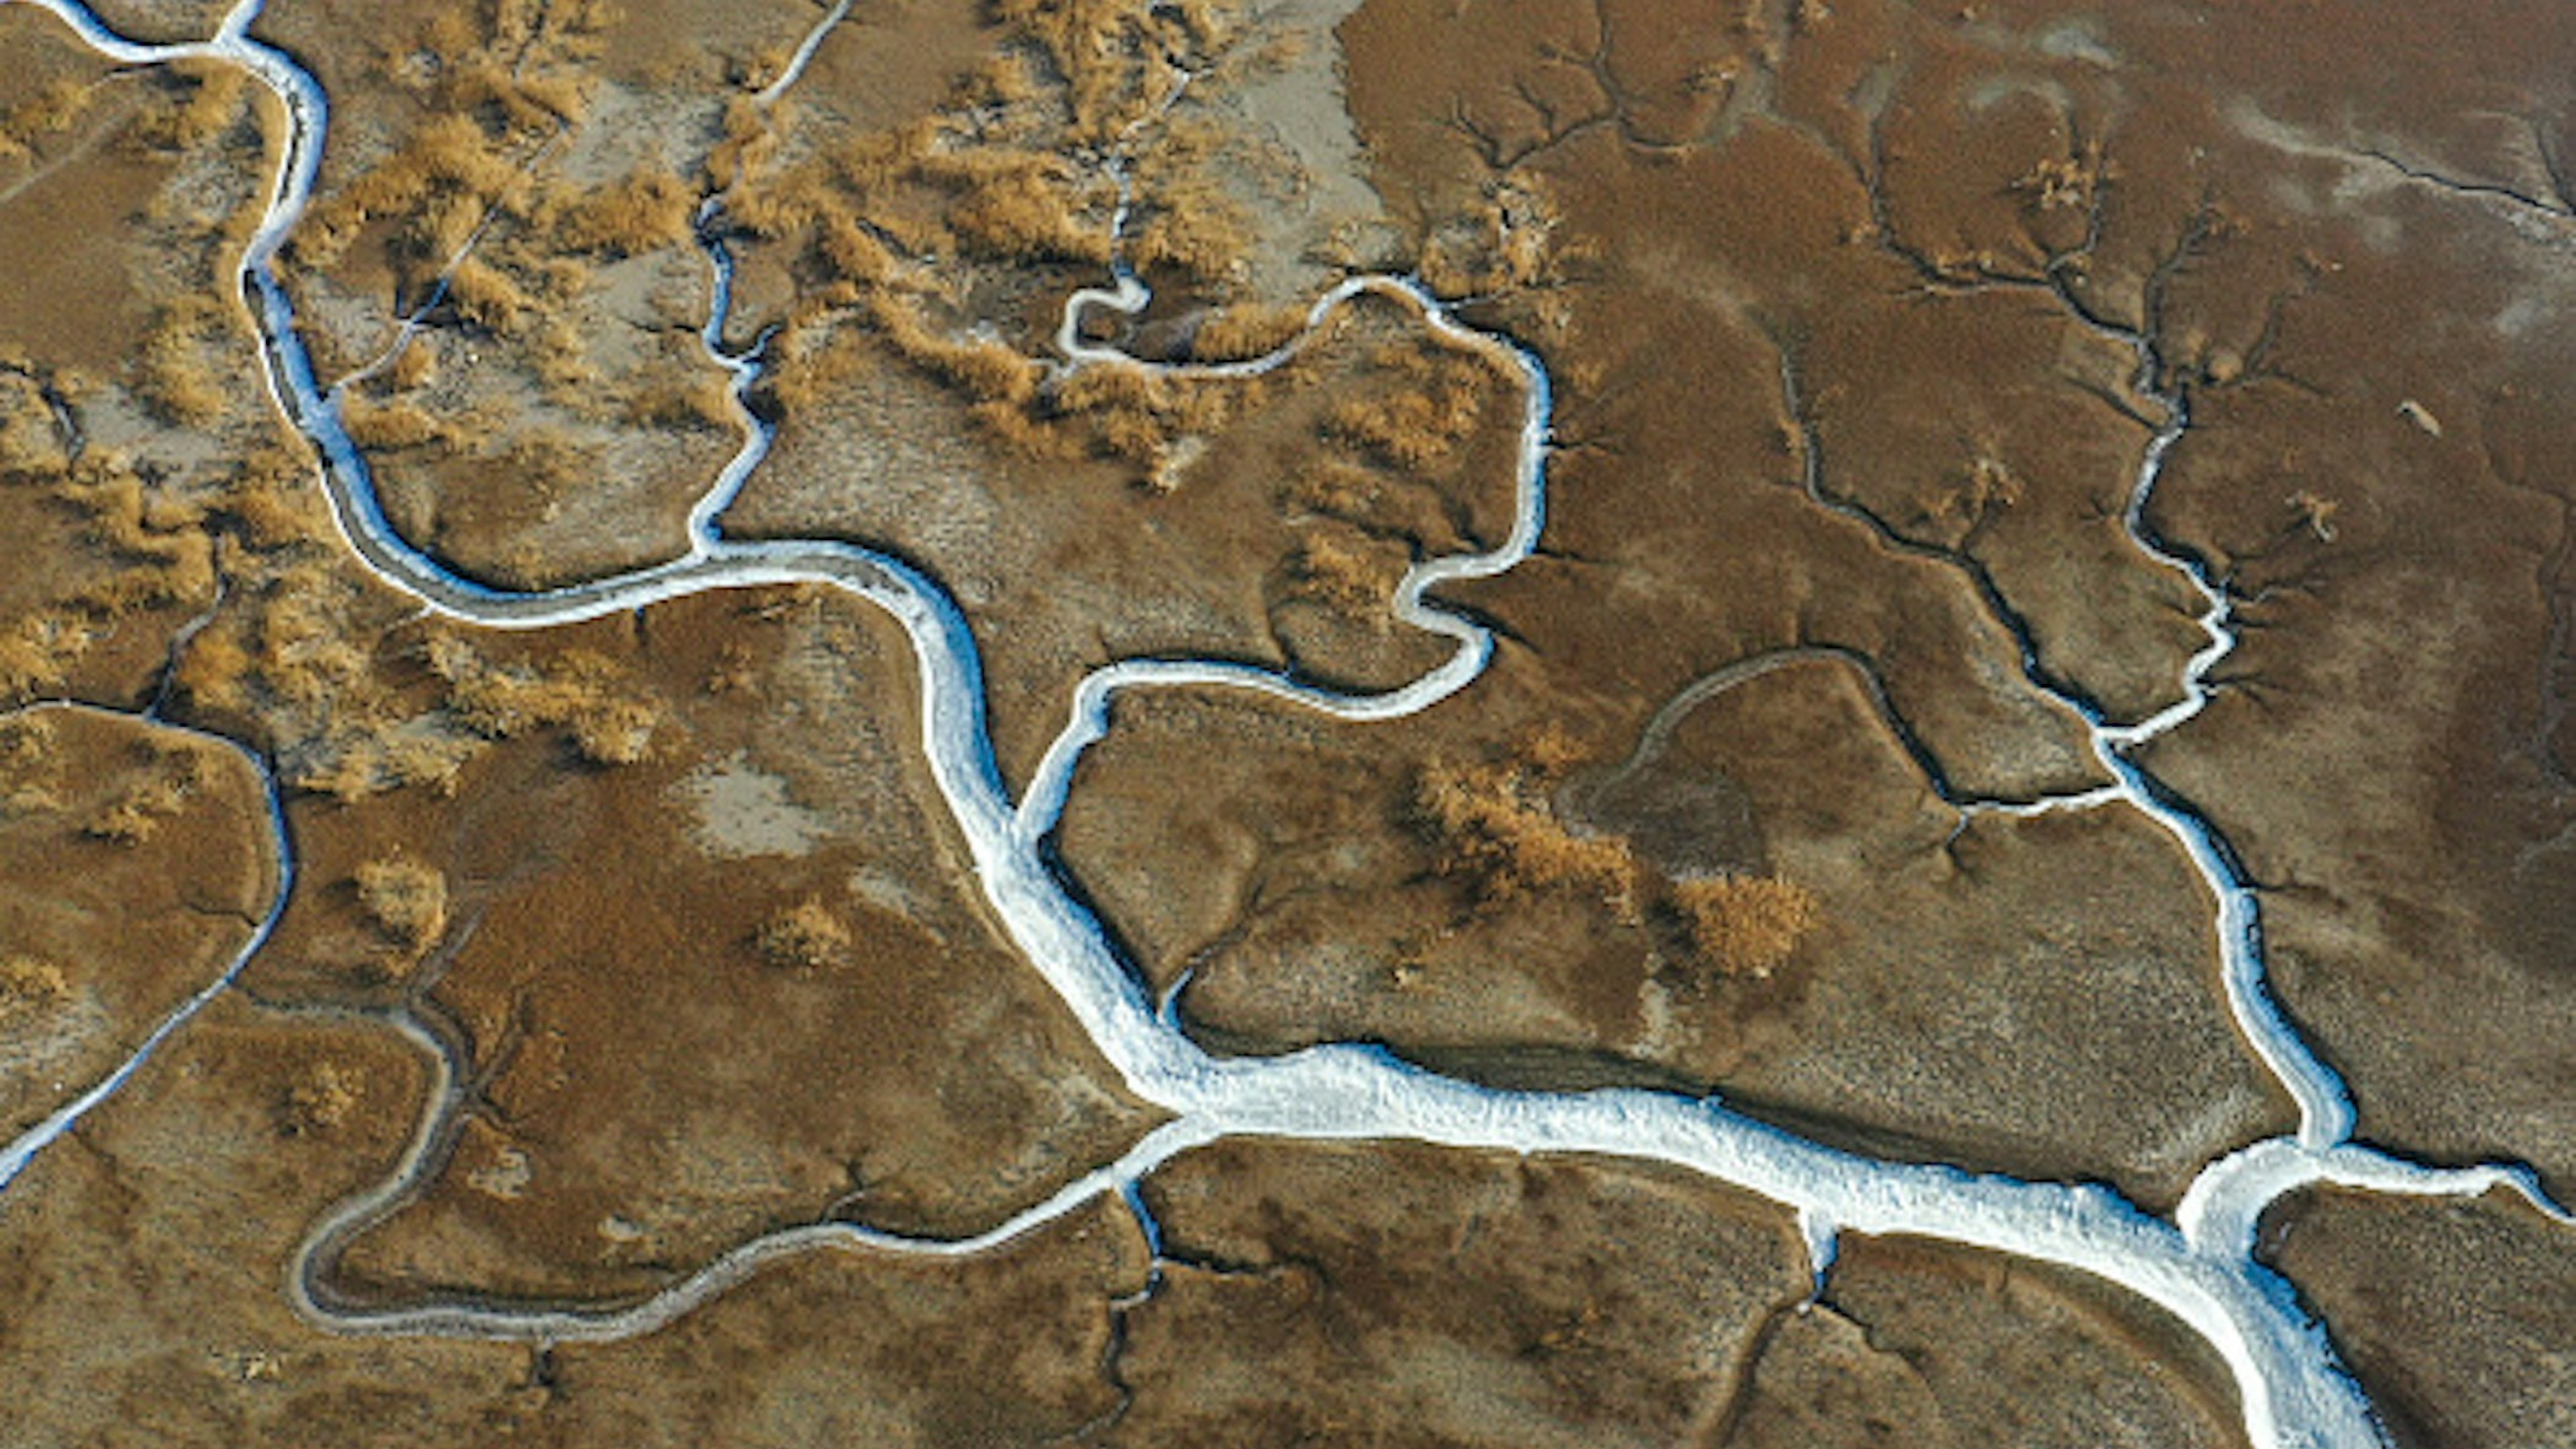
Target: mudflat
1133, 723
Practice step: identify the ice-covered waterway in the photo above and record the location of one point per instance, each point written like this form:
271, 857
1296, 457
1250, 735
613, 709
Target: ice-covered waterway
2199, 1266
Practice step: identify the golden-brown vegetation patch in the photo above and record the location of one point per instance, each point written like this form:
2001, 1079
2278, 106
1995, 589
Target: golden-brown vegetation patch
406, 901
1495, 828
807, 936
1744, 925
165, 778
31, 991
319, 1099
581, 692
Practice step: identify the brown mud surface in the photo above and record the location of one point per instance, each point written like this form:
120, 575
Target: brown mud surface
1846, 309
660, 1066
139, 862
143, 1264
1923, 1344
1404, 1295
2454, 1313
2037, 996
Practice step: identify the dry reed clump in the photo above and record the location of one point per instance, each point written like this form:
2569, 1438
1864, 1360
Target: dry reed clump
26, 743
2066, 182
1113, 388
805, 937
447, 176
809, 363
750, 143
163, 541
2316, 513
1744, 925
489, 297
1965, 500
1103, 50
200, 101
405, 900
1428, 400
1343, 577
986, 371
173, 374
520, 61
645, 211
1243, 332
37, 649
1016, 205
560, 356
28, 772
1193, 227
270, 502
703, 402
1505, 242
496, 82
54, 109
1334, 488
577, 692
390, 426
31, 441
170, 775
357, 755
1495, 828
320, 1098
284, 650
1122, 410
551, 461
31, 990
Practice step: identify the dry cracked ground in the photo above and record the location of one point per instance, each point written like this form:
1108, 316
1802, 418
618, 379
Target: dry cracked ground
604, 950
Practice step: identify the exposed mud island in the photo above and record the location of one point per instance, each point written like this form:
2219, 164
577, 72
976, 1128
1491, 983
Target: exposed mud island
1099, 722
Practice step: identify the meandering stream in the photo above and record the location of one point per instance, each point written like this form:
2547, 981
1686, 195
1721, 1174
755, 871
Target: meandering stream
2199, 1266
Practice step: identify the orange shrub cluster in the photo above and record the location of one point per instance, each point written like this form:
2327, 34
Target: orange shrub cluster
170, 775
1505, 242
1241, 333
318, 1100
170, 556
406, 901
645, 211
1494, 826
55, 108
805, 937
1343, 577
577, 692
30, 991
1017, 204
1744, 925
202, 100
1427, 401
174, 373
2069, 182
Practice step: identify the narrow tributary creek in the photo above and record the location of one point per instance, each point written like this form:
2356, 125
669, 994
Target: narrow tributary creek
2199, 1266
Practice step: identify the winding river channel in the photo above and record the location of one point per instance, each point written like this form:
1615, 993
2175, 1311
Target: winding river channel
2199, 1265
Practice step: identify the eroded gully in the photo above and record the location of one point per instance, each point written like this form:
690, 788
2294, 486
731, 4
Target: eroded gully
2198, 1267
